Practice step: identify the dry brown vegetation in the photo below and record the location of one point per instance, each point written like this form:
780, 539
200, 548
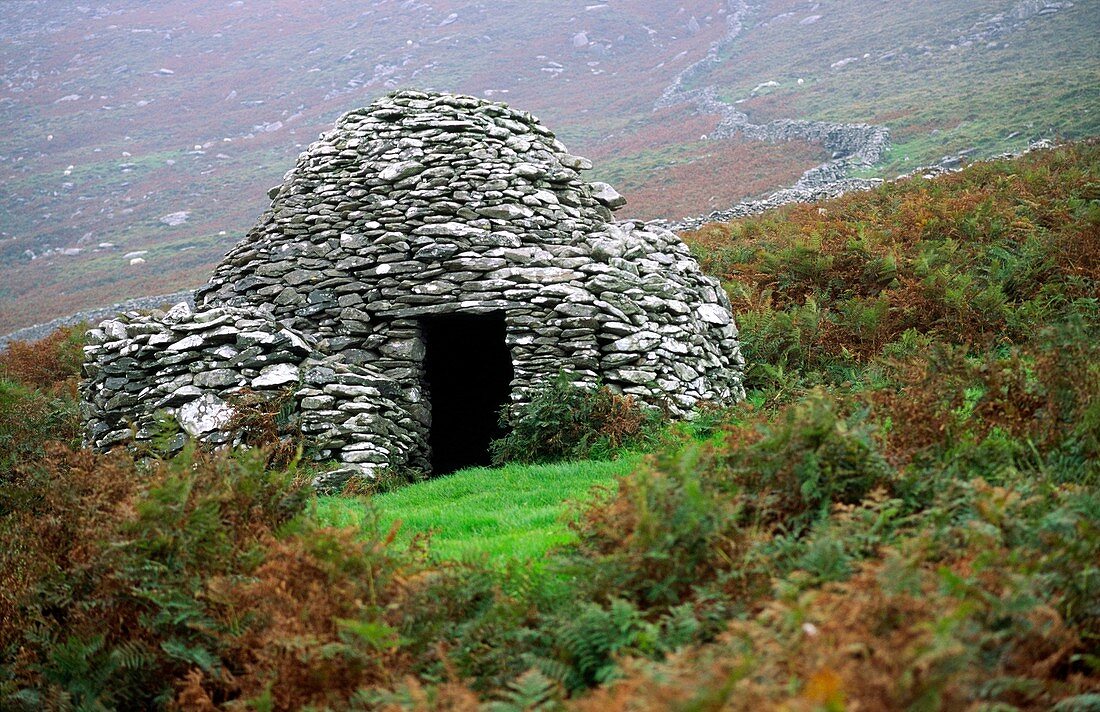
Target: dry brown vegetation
896, 519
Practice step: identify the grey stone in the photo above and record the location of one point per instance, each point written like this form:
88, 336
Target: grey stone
204, 415
280, 374
436, 252
114, 330
400, 170
188, 343
607, 195
450, 229
505, 211
640, 342
577, 163
334, 481
317, 402
217, 378
404, 349
177, 313
714, 314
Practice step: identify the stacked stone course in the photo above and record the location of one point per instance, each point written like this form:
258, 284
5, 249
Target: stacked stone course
190, 367
423, 205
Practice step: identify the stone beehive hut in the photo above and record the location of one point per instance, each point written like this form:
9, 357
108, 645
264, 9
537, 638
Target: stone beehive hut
451, 247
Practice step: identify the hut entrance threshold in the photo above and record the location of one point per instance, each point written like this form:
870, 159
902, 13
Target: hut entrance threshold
468, 373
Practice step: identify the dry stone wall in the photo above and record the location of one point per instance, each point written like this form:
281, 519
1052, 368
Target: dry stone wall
423, 205
181, 365
177, 368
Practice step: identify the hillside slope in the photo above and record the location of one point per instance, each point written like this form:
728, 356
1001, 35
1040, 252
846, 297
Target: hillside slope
905, 514
982, 77
137, 132
161, 132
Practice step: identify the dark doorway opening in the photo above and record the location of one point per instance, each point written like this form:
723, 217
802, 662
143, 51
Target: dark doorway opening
468, 370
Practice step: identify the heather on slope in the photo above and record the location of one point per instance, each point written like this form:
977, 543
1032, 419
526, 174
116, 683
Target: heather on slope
903, 515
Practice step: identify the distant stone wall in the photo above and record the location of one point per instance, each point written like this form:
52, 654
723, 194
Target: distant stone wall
853, 146
94, 316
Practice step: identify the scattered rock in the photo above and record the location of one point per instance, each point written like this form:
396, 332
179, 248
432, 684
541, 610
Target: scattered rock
176, 219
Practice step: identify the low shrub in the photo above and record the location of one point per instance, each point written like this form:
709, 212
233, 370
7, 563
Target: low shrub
665, 531
985, 258
810, 458
704, 523
269, 423
564, 421
38, 396
115, 574
51, 364
30, 419
988, 597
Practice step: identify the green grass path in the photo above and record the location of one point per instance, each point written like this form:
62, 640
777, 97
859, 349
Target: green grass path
513, 512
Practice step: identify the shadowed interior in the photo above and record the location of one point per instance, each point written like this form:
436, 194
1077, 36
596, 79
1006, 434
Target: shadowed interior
468, 370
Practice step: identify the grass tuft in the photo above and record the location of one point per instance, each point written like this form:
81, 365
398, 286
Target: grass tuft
515, 512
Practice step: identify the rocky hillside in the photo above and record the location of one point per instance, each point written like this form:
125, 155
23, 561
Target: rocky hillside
139, 141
